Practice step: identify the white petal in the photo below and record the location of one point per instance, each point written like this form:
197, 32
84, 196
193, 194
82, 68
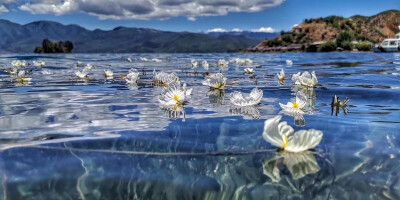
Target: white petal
275, 132
303, 140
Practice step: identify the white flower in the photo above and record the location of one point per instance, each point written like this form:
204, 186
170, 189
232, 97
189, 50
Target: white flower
88, 67
194, 63
249, 70
247, 61
46, 72
165, 79
205, 64
21, 78
254, 98
188, 92
82, 74
132, 77
289, 62
217, 81
297, 106
39, 63
172, 95
79, 64
143, 59
283, 136
129, 59
156, 60
108, 73
281, 75
17, 63
222, 63
306, 79
13, 71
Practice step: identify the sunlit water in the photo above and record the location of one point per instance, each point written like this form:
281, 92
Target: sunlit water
63, 138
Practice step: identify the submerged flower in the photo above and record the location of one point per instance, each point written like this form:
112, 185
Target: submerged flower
306, 79
297, 106
39, 63
283, 136
172, 95
289, 62
249, 70
132, 77
281, 75
205, 64
165, 79
254, 98
251, 111
217, 81
174, 111
108, 73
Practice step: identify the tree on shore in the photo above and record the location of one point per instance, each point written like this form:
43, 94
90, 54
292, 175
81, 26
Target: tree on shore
54, 47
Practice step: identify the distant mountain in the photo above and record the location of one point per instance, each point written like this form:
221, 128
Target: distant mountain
260, 36
16, 38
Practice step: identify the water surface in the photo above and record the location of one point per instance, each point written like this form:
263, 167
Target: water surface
63, 138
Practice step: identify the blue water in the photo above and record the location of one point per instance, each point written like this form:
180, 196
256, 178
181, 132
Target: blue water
62, 138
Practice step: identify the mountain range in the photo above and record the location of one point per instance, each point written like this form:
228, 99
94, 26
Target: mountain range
16, 38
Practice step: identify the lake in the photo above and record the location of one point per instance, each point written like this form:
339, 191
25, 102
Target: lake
63, 138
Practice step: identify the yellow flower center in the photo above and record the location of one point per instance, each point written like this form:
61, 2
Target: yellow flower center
176, 98
286, 142
295, 105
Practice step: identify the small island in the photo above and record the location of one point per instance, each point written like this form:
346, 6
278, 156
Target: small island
54, 47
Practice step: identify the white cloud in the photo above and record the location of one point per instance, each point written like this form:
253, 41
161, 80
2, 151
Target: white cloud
192, 19
216, 30
3, 9
146, 9
237, 30
263, 30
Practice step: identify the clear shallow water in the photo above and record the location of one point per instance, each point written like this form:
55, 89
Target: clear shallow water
66, 139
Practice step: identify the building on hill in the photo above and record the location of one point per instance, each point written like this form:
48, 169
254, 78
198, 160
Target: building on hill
297, 29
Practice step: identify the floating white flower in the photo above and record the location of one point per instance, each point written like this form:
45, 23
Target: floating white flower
249, 70
79, 64
281, 75
297, 106
46, 72
129, 60
217, 81
205, 64
109, 74
254, 98
156, 60
88, 67
39, 63
283, 136
222, 63
188, 91
143, 59
172, 95
306, 79
21, 78
82, 74
165, 79
132, 77
194, 63
289, 62
17, 63
13, 71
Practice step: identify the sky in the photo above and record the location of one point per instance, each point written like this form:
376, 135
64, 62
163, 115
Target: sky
188, 15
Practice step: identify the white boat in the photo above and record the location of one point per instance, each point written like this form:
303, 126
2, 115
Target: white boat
388, 45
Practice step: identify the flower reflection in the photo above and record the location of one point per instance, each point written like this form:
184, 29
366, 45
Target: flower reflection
298, 164
216, 96
174, 112
283, 136
251, 111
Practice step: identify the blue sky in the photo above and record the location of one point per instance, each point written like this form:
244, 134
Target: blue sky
225, 14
